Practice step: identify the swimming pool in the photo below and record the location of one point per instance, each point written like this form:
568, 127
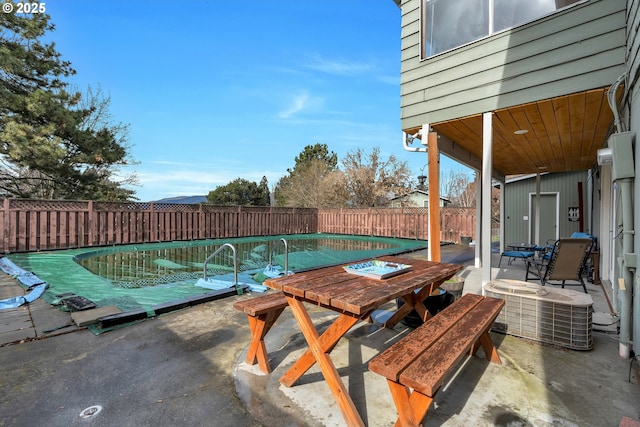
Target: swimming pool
147, 276
151, 265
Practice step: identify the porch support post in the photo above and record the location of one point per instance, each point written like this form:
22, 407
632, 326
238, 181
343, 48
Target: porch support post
433, 156
478, 248
536, 236
502, 222
485, 213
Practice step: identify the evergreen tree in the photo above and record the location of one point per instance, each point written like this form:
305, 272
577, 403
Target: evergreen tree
241, 192
303, 186
315, 152
264, 195
53, 143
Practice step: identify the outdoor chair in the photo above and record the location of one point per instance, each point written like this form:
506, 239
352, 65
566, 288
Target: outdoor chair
567, 263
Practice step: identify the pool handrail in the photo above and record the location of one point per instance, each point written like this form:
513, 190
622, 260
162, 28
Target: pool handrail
286, 254
235, 262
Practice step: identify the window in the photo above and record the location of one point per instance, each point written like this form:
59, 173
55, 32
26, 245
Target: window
448, 24
453, 23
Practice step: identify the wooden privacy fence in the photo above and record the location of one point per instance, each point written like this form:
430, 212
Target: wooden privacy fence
35, 225
456, 223
411, 223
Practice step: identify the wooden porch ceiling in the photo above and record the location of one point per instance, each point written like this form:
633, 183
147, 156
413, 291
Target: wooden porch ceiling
564, 133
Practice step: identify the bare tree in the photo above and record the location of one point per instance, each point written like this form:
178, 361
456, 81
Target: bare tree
371, 181
456, 187
315, 186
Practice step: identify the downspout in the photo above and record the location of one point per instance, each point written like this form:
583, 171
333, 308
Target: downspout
626, 286
635, 300
623, 171
407, 140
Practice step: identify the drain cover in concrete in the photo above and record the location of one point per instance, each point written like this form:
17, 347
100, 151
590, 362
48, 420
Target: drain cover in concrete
91, 411
78, 303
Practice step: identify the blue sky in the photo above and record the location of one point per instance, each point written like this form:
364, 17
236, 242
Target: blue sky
218, 90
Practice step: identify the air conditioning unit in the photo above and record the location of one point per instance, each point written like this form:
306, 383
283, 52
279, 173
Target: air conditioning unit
555, 316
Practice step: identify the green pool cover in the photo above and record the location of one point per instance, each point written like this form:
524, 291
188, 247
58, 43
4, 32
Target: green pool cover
65, 276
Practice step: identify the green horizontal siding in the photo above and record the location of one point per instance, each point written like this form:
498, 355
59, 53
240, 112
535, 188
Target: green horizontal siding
516, 203
633, 41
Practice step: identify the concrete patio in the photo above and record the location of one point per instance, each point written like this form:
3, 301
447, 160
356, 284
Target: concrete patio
186, 368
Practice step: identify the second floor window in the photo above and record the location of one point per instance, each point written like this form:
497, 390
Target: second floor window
448, 24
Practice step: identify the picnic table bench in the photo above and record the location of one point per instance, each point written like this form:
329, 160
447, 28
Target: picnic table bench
262, 312
422, 360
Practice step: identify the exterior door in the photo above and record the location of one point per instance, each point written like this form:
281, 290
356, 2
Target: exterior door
549, 207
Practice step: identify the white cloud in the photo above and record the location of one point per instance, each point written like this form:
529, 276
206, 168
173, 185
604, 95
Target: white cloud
182, 179
300, 102
343, 68
191, 176
296, 105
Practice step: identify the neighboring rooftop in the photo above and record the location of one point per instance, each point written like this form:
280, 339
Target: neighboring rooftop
185, 200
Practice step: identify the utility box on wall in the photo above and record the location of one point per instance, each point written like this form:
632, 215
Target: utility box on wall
622, 152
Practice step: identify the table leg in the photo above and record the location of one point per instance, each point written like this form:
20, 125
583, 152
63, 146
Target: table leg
413, 301
327, 342
257, 351
319, 348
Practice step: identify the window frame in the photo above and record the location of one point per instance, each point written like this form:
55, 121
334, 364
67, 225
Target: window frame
423, 26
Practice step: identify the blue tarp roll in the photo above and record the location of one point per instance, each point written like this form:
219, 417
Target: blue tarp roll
14, 302
32, 282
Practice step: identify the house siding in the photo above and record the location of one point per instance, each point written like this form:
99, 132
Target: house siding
578, 49
517, 203
633, 41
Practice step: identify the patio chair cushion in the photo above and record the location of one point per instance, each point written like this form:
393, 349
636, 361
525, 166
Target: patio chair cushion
515, 254
518, 254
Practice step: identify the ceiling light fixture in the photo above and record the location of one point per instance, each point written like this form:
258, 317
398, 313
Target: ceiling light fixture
521, 131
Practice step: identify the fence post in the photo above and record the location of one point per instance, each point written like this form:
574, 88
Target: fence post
270, 231
201, 222
153, 224
6, 219
425, 227
92, 223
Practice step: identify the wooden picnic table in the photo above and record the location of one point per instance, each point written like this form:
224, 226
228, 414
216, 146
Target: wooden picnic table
355, 297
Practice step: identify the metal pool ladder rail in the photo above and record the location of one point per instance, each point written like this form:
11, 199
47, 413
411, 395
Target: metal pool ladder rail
235, 264
286, 254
